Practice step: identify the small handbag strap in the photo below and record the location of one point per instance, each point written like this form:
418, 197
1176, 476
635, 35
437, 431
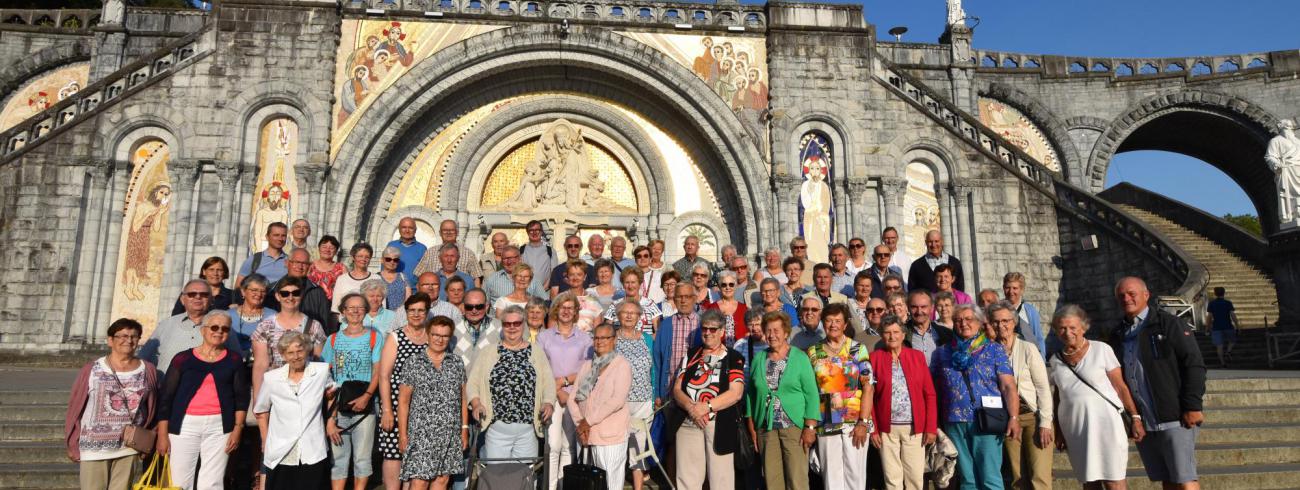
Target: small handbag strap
122, 387
1061, 357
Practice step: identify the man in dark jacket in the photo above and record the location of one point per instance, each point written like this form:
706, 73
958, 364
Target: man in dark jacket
1165, 373
314, 303
921, 274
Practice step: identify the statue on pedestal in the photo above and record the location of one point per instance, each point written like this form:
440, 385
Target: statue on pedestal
1283, 157
956, 16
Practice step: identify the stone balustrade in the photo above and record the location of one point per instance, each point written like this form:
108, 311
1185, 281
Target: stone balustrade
1086, 66
65, 19
733, 17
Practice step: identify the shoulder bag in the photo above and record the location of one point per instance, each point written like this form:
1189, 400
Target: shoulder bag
134, 436
1124, 414
745, 456
988, 420
583, 475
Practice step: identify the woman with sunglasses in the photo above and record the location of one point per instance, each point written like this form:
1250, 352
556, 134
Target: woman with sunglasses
289, 319
858, 261
511, 391
109, 394
650, 278
360, 272
201, 414
432, 416
398, 289
400, 345
707, 393
704, 296
732, 309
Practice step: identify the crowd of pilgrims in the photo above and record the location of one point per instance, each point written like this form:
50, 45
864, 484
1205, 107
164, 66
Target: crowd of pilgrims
787, 374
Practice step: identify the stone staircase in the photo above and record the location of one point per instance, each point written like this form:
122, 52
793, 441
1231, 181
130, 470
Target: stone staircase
32, 453
1250, 440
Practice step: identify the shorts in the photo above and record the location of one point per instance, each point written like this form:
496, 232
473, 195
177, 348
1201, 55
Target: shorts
1170, 455
1222, 337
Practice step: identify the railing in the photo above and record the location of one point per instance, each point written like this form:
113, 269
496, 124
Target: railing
1232, 237
677, 15
1087, 66
100, 95
68, 19
1066, 196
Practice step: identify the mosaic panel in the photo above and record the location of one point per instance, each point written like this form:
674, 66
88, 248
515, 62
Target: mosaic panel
920, 209
144, 236
1012, 124
43, 92
277, 185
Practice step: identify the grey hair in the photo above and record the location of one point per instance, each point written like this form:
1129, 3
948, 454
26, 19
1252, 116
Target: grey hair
771, 280
196, 281
215, 314
813, 297
291, 338
772, 250
728, 274
715, 317
449, 246
535, 302
255, 278
391, 251
696, 268
1071, 310
997, 306
511, 310
625, 302
891, 319
373, 284
957, 309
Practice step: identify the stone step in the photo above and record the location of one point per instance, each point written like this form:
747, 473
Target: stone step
31, 431
1251, 384
1261, 477
1227, 434
1254, 399
33, 452
1214, 455
19, 475
1289, 414
48, 397
33, 413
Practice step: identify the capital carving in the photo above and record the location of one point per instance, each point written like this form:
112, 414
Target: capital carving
892, 187
312, 174
857, 185
228, 171
961, 191
183, 173
100, 168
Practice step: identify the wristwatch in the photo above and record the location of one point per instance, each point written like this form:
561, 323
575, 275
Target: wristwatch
710, 404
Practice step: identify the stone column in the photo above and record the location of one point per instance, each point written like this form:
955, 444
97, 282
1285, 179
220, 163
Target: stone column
176, 262
786, 192
859, 208
311, 178
946, 216
228, 197
115, 211
892, 189
961, 194
90, 261
243, 234
961, 72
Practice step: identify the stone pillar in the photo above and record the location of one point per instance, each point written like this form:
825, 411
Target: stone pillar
94, 219
946, 216
962, 70
224, 236
243, 233
109, 51
311, 178
115, 211
786, 189
892, 189
859, 208
176, 262
961, 194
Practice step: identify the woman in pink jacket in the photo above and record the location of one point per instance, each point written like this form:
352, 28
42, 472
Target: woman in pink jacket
599, 406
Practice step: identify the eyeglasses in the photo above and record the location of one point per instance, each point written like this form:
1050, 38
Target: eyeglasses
696, 274
727, 285
857, 245
603, 337
476, 307
218, 329
710, 329
391, 259
799, 247
354, 308
642, 256
512, 324
126, 338
812, 310
197, 294
881, 255
439, 336
876, 310
285, 293
741, 268
573, 245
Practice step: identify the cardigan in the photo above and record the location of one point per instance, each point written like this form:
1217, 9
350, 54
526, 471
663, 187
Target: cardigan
80, 396
797, 390
925, 409
605, 408
185, 376
479, 384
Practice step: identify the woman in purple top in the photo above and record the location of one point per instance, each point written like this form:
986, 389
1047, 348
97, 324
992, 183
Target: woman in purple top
566, 347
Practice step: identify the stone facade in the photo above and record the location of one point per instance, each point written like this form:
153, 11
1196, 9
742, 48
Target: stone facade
205, 85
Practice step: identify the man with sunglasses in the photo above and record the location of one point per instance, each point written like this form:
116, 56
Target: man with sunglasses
744, 286
810, 331
799, 249
476, 330
314, 303
869, 334
899, 258
882, 268
572, 250
182, 332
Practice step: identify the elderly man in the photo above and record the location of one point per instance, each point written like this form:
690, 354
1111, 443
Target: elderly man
1028, 323
799, 249
1162, 365
898, 257
477, 330
987, 297
572, 248
411, 249
810, 331
869, 334
181, 332
727, 253
499, 283
314, 303
431, 284
595, 249
449, 259
299, 238
686, 264
922, 333
270, 262
491, 262
891, 284
744, 286
617, 249
466, 261
921, 274
677, 334
823, 285
536, 253
841, 278
881, 268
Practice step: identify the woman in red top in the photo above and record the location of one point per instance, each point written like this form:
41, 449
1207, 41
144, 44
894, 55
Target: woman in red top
325, 270
906, 417
731, 307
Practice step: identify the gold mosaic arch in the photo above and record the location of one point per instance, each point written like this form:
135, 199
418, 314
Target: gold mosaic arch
1013, 125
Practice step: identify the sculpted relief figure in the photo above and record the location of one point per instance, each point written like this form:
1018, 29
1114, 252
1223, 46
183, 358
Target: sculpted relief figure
1283, 157
560, 174
955, 13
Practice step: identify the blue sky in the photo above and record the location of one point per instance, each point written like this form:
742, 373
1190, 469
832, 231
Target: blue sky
1121, 28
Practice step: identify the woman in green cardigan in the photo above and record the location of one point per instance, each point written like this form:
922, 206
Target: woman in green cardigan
782, 404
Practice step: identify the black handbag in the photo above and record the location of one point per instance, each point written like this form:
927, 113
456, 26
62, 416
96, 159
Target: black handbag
349, 391
582, 475
988, 420
1128, 417
745, 456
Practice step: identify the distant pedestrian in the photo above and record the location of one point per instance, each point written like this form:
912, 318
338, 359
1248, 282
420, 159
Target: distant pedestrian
1221, 316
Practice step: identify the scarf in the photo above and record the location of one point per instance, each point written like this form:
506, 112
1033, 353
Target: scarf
963, 351
588, 382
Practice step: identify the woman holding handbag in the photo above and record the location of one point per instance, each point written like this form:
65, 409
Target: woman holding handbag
353, 356
288, 412
1089, 388
599, 406
112, 400
706, 419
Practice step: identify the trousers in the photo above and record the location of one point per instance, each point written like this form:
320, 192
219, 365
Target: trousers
979, 456
696, 461
202, 440
843, 465
1030, 465
107, 474
785, 461
902, 457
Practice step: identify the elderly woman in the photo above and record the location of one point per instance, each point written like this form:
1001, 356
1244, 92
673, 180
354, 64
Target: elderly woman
399, 347
589, 309
288, 410
393, 278
599, 406
454, 291
214, 272
973, 374
246, 316
707, 392
204, 401
511, 391
360, 272
353, 355
378, 317
325, 271
843, 371
1089, 387
521, 277
566, 347
731, 307
110, 393
755, 341
604, 292
782, 406
289, 319
793, 288
862, 294
636, 345
657, 256
535, 318
432, 417
650, 313
903, 403
944, 304
771, 267
1030, 457
669, 281
704, 297
897, 303
944, 278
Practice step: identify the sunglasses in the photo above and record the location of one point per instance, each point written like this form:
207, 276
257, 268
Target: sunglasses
710, 329
880, 255
799, 247
858, 245
573, 245
391, 259
286, 293
699, 275
197, 294
876, 310
642, 256
727, 285
512, 324
218, 329
479, 306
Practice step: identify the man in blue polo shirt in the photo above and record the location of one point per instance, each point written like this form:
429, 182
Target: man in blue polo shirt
270, 262
411, 249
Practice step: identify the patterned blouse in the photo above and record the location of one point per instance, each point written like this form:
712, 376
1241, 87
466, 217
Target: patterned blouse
772, 375
270, 331
649, 311
113, 402
326, 279
987, 364
900, 410
839, 381
637, 354
512, 379
705, 376
396, 293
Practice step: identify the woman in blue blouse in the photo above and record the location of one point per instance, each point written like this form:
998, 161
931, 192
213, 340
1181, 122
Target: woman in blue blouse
973, 373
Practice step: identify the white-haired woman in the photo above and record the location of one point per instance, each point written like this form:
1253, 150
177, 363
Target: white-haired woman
771, 267
378, 316
393, 278
288, 411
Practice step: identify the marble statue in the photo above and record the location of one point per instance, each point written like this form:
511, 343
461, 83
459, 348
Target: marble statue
1283, 157
560, 174
956, 16
114, 12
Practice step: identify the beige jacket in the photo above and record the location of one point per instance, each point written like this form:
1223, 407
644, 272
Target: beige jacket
480, 383
1031, 381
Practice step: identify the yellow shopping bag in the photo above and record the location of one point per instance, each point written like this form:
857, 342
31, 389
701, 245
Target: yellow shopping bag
157, 477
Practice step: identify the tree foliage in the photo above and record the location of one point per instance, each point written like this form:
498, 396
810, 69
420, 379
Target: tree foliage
1248, 222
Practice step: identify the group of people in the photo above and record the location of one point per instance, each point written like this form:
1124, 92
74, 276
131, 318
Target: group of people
767, 378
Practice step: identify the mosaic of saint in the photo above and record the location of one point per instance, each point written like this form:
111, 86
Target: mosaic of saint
277, 185
920, 208
1019, 130
144, 236
42, 93
816, 206
373, 54
560, 171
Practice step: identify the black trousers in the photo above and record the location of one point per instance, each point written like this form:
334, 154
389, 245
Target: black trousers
295, 477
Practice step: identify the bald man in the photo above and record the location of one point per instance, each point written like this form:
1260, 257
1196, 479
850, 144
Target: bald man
491, 260
411, 249
921, 274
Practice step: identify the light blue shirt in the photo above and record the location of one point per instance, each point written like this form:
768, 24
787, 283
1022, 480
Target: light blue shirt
411, 255
273, 268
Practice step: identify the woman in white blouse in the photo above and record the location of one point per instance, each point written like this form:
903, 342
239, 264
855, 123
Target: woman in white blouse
288, 409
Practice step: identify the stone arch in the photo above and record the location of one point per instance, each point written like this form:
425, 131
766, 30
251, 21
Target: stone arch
591, 58
144, 115
312, 114
251, 129
1057, 132
830, 126
931, 153
127, 138
1225, 131
38, 63
673, 246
